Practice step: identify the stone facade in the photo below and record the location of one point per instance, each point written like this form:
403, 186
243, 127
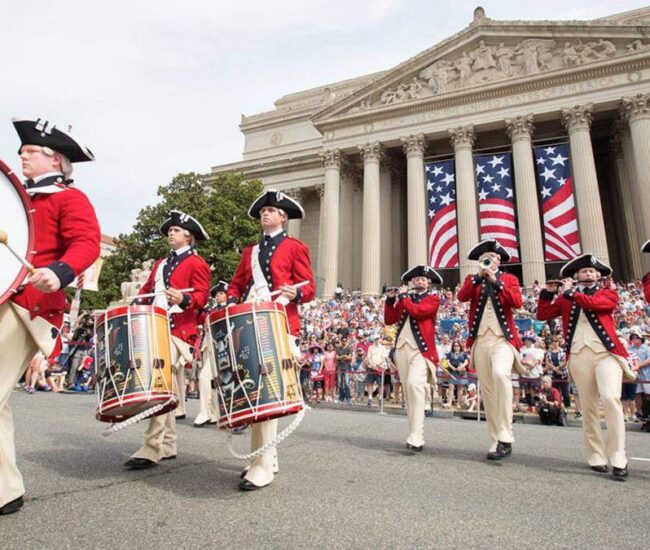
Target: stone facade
354, 151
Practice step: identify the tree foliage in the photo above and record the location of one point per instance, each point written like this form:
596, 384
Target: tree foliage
222, 208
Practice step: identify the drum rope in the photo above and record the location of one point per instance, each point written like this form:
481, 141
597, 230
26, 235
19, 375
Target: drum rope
271, 444
114, 428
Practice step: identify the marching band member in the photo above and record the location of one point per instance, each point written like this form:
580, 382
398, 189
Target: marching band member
415, 347
207, 404
597, 358
182, 268
494, 339
277, 262
66, 242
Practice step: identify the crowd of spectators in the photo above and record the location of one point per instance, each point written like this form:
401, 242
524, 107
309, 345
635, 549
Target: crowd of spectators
72, 369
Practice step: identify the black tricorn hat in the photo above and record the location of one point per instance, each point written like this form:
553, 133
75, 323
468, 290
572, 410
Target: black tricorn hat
45, 134
646, 246
422, 270
221, 286
181, 219
272, 197
490, 245
570, 268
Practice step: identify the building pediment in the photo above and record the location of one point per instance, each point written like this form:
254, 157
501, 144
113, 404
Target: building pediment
488, 53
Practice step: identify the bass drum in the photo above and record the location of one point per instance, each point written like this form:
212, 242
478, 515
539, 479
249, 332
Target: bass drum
17, 220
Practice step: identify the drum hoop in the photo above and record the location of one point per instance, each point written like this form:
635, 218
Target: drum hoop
27, 204
119, 311
245, 309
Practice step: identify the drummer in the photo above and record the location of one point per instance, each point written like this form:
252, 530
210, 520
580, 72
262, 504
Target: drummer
277, 262
66, 242
183, 268
208, 406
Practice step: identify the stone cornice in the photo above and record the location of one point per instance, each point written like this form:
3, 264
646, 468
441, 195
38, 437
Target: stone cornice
263, 167
631, 63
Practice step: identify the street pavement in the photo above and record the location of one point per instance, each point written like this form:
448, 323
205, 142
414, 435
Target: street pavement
345, 481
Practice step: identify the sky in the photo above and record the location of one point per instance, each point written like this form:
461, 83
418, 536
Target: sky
155, 88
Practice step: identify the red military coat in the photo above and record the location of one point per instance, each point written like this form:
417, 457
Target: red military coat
420, 310
285, 261
598, 306
505, 294
66, 240
646, 287
189, 270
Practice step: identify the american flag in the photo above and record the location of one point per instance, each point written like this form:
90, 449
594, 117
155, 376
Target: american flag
441, 214
555, 184
496, 201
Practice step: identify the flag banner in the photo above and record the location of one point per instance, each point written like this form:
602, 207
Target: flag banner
496, 201
555, 187
441, 214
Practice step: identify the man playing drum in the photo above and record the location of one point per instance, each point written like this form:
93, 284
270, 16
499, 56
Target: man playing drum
182, 269
208, 405
277, 262
66, 241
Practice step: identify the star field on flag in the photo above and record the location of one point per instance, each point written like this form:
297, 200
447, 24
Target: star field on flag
496, 202
441, 214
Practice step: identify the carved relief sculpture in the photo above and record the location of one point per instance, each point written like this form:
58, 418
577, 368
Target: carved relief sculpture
487, 63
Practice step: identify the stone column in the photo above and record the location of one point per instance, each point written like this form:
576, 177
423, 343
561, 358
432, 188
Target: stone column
329, 235
346, 242
519, 130
628, 209
294, 225
637, 112
318, 260
357, 234
416, 200
577, 121
371, 248
386, 222
462, 140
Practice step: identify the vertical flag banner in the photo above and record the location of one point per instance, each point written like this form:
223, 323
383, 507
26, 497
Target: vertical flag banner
441, 214
496, 201
555, 187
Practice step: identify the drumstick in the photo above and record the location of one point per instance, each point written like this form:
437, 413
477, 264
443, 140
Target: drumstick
276, 292
4, 239
154, 294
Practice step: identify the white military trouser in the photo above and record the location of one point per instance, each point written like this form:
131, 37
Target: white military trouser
600, 374
17, 347
207, 401
493, 358
160, 439
413, 371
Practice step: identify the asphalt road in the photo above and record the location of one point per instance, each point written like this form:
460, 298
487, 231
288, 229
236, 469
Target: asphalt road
345, 481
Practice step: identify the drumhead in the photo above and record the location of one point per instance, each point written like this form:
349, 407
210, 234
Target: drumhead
17, 221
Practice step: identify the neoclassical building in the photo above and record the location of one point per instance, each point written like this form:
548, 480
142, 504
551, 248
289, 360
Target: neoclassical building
354, 152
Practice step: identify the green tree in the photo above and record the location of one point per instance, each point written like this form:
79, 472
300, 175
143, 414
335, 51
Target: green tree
222, 208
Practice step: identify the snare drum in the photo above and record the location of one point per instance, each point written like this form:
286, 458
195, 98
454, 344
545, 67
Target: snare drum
255, 370
133, 362
16, 218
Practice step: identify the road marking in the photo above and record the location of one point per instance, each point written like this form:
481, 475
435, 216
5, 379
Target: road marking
641, 459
